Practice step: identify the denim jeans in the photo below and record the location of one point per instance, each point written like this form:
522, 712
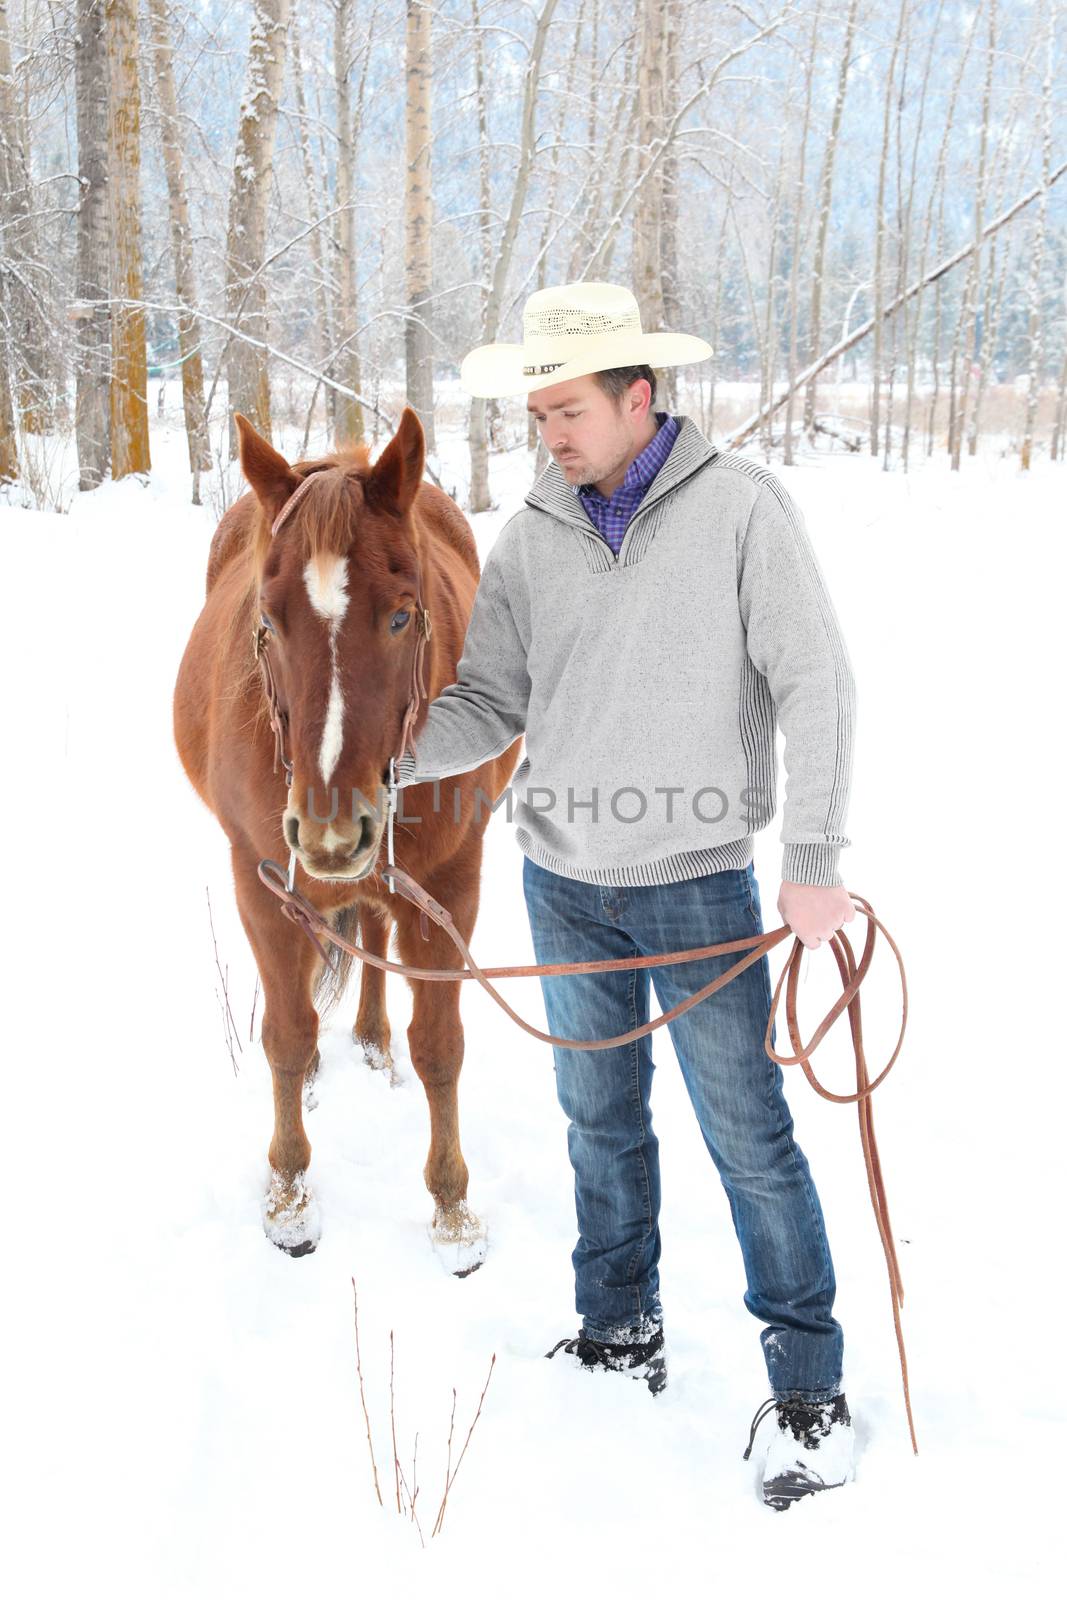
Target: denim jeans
736, 1093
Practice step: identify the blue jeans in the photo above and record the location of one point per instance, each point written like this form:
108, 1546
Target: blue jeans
736, 1092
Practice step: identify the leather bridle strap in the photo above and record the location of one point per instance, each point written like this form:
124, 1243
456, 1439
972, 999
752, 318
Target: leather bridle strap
316, 926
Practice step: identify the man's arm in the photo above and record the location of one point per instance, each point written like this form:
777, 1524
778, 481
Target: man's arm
795, 641
484, 711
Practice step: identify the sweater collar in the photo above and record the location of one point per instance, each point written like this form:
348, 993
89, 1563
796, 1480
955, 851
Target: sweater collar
552, 493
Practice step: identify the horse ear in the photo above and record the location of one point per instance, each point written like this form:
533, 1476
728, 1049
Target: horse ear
394, 479
269, 475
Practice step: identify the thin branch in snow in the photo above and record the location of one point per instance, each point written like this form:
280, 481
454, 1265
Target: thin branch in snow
224, 998
451, 1478
362, 1395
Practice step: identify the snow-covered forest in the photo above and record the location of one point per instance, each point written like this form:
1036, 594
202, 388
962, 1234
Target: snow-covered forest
860, 207
310, 214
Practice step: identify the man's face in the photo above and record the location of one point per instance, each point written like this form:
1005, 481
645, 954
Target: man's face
592, 437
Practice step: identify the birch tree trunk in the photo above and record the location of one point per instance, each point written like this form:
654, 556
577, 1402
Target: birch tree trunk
34, 384
880, 232
322, 334
92, 411
1035, 331
418, 218
480, 497
795, 250
182, 246
348, 413
129, 361
671, 277
647, 236
246, 365
826, 189
506, 247
965, 344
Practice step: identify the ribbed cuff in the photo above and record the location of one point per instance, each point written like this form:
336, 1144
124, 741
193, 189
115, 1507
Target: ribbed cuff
812, 863
405, 770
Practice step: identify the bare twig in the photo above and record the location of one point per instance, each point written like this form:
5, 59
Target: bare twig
392, 1419
450, 1478
362, 1396
252, 1018
224, 998
411, 1503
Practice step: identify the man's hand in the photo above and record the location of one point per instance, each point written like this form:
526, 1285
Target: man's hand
814, 913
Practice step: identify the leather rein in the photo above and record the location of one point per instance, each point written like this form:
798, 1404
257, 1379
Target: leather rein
304, 915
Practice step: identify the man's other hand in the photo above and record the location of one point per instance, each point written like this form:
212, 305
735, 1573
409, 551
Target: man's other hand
814, 913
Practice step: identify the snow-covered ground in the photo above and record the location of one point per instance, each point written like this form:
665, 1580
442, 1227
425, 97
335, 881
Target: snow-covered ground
182, 1415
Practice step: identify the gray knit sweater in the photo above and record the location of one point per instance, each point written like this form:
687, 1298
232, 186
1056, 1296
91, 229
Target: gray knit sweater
649, 686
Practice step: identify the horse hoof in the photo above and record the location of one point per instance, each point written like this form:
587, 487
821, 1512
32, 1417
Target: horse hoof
377, 1057
460, 1239
291, 1216
303, 1249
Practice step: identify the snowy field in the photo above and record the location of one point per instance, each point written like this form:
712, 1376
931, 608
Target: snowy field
182, 1411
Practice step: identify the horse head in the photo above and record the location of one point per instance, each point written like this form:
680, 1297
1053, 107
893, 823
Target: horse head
338, 601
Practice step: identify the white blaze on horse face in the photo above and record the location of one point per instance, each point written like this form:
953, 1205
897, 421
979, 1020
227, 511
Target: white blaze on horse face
325, 581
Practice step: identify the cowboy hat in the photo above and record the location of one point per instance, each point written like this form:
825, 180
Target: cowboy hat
568, 332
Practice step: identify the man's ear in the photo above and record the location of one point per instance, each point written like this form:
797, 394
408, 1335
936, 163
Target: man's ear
269, 475
393, 481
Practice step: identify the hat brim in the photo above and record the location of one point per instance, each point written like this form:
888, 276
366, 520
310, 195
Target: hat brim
494, 371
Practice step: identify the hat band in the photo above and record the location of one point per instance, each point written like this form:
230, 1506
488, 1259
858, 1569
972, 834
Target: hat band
537, 372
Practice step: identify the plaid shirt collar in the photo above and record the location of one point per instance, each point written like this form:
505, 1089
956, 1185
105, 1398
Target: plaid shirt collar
643, 468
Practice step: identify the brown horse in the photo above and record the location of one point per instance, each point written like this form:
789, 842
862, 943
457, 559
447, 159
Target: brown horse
333, 594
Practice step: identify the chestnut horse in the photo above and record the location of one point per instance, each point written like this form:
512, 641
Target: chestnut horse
332, 596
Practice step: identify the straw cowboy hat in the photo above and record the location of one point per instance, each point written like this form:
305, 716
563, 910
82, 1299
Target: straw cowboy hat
568, 332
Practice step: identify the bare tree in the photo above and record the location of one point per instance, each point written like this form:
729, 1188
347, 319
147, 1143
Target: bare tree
322, 322
505, 248
418, 217
963, 349
192, 366
826, 189
880, 229
26, 316
129, 358
1036, 325
348, 423
647, 235
91, 314
246, 301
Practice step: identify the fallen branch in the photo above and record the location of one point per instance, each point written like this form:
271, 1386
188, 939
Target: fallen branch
811, 371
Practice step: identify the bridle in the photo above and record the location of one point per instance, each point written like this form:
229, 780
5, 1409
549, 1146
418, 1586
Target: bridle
279, 718
300, 911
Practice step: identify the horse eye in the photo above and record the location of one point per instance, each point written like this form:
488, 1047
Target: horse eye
267, 623
399, 621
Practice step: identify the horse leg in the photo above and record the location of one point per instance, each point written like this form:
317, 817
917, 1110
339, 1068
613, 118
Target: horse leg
287, 964
372, 1029
435, 1041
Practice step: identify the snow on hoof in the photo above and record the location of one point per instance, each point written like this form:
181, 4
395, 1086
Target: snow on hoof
379, 1060
460, 1239
291, 1216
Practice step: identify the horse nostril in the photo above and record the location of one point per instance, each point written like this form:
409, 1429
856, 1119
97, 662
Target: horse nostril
292, 832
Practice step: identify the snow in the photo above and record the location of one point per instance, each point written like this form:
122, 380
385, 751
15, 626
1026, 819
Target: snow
183, 1413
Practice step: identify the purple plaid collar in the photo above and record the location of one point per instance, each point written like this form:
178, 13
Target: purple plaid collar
610, 517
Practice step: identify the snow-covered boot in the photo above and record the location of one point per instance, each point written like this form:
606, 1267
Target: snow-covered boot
811, 1450
642, 1360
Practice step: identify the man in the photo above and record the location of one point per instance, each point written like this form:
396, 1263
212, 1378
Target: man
645, 619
